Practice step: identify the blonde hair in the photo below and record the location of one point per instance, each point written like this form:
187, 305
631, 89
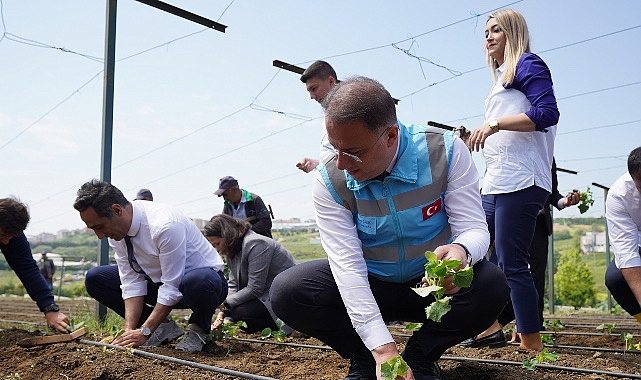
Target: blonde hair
517, 42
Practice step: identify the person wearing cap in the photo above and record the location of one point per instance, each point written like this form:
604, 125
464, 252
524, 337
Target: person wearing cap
144, 195
14, 218
319, 78
47, 268
242, 204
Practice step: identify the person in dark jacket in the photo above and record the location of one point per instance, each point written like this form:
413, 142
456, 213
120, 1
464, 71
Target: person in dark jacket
253, 261
14, 218
242, 204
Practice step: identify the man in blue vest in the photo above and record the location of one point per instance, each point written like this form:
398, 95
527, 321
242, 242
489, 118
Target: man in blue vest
389, 194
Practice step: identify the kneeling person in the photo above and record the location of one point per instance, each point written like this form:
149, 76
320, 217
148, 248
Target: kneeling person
254, 260
162, 262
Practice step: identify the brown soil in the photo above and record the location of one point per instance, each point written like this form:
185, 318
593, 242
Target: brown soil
79, 360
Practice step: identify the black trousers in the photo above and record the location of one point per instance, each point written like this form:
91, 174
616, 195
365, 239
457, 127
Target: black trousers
306, 298
254, 314
618, 286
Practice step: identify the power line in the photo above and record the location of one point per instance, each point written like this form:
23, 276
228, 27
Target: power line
50, 110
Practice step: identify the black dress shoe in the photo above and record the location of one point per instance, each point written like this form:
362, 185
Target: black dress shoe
422, 368
362, 367
494, 340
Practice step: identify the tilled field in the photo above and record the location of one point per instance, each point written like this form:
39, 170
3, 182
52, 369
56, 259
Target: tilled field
579, 346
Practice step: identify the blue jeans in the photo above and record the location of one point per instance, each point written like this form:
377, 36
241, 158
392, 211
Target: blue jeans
203, 290
511, 219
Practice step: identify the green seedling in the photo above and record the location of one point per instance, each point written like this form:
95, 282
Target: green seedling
548, 339
609, 328
555, 326
279, 334
586, 200
543, 357
626, 337
435, 272
411, 326
227, 330
396, 366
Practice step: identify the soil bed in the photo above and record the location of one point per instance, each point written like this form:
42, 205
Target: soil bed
83, 361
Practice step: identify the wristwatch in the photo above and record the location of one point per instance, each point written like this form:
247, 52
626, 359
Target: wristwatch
494, 125
467, 253
53, 307
145, 331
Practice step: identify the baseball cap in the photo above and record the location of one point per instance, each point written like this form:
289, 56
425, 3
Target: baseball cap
225, 183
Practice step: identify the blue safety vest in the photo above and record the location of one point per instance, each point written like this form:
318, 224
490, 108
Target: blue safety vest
402, 216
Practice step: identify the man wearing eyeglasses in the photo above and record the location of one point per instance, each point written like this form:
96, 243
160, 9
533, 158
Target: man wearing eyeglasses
389, 194
162, 262
14, 218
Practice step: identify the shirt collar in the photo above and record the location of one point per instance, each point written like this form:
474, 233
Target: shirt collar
136, 218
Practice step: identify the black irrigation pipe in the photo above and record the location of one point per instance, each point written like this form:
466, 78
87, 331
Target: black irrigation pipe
489, 361
284, 343
545, 366
225, 371
584, 348
582, 333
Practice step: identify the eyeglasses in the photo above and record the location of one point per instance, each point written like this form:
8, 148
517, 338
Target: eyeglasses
354, 157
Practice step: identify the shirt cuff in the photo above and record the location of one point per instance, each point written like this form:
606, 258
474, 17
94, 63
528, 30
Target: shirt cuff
375, 334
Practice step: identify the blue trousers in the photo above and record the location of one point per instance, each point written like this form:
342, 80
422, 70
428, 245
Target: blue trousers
307, 299
203, 290
618, 286
511, 219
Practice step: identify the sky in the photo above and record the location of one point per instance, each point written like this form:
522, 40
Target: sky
192, 104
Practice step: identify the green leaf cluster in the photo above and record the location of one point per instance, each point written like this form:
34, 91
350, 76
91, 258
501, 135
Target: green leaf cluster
435, 273
279, 334
396, 366
609, 327
585, 200
543, 357
227, 330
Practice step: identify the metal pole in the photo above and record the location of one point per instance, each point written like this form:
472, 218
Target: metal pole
62, 274
107, 122
551, 265
607, 238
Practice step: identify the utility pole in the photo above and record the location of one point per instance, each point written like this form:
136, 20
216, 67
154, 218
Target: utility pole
108, 97
607, 238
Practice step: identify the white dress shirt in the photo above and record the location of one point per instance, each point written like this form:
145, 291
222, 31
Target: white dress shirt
623, 215
515, 160
167, 244
343, 247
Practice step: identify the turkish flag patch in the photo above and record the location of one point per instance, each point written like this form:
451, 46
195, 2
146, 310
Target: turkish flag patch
431, 209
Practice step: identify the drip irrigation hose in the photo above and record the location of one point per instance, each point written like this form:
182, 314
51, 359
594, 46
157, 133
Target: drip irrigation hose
491, 361
584, 348
225, 371
545, 366
284, 343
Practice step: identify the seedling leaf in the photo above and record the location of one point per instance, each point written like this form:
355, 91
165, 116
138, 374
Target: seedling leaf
438, 309
393, 368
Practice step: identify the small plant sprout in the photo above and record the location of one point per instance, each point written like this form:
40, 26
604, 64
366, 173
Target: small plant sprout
279, 334
608, 328
396, 366
411, 326
555, 326
227, 330
435, 272
626, 337
543, 357
548, 339
586, 200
